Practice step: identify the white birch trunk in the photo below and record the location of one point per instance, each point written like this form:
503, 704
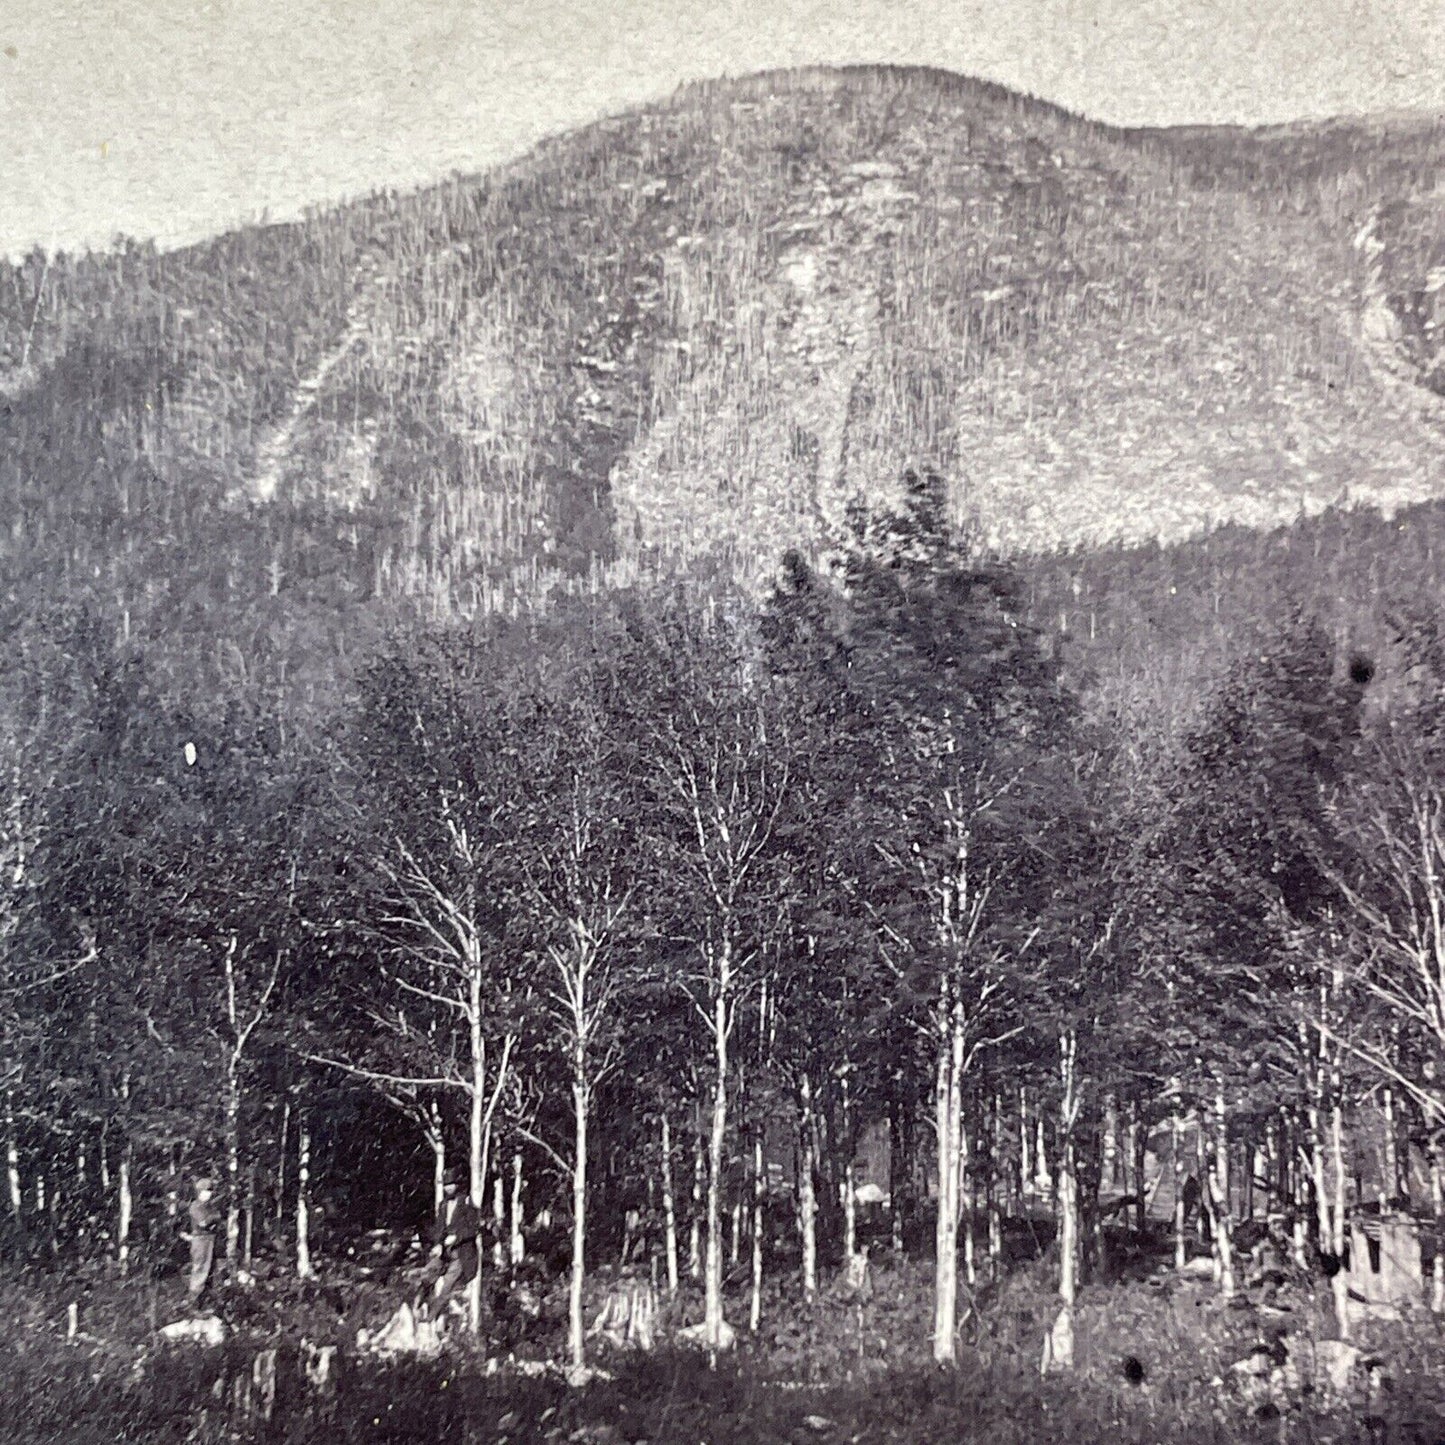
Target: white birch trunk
948, 1117
669, 1208
125, 1211
1219, 1192
1067, 1171
1323, 1221
499, 1220
303, 1197
124, 1200
966, 1201
476, 1124
1390, 1184
1109, 1172
13, 1187
1340, 1282
436, 1137
694, 1237
712, 1278
850, 1184
233, 1157
755, 1307
517, 1244
1181, 1247
576, 1341
1337, 1152
1026, 1178
807, 1198
1067, 1188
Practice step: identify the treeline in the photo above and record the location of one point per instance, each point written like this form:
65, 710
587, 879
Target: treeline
608, 902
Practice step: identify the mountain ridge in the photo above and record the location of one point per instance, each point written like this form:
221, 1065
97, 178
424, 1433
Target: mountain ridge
696, 333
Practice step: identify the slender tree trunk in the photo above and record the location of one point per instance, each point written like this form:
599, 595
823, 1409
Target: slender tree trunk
1066, 1184
576, 1342
303, 1196
966, 1210
1067, 1170
476, 1128
712, 1281
1128, 1159
1323, 1222
669, 1208
1109, 1164
436, 1137
13, 1187
1271, 1170
1390, 1184
499, 1219
995, 1239
850, 1181
807, 1198
1337, 1156
1219, 1195
233, 1157
1340, 1280
1025, 1145
694, 1240
755, 1308
997, 1184
1181, 1223
248, 1227
517, 1243
897, 1173
125, 1210
1139, 1136
948, 1117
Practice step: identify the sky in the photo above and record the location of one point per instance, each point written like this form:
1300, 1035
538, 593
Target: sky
174, 119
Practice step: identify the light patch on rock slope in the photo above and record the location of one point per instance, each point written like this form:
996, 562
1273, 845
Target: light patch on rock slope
749, 450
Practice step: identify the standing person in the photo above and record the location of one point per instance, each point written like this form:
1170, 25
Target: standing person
459, 1226
202, 1217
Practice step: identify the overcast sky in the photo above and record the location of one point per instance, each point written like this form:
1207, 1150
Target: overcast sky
176, 118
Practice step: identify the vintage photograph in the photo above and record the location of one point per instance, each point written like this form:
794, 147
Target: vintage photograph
722, 723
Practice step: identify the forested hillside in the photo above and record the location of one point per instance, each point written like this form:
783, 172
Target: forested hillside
702, 331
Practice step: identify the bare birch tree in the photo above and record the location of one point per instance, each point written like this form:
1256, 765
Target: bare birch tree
578, 881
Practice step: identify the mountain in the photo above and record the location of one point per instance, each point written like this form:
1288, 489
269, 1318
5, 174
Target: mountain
695, 334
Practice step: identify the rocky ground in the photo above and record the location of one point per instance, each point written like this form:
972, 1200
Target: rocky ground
1158, 1356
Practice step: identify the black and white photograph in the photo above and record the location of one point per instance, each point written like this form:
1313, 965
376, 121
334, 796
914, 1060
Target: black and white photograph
722, 723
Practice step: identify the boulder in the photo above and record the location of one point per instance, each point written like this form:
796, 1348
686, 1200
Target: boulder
697, 1335
403, 1334
208, 1331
